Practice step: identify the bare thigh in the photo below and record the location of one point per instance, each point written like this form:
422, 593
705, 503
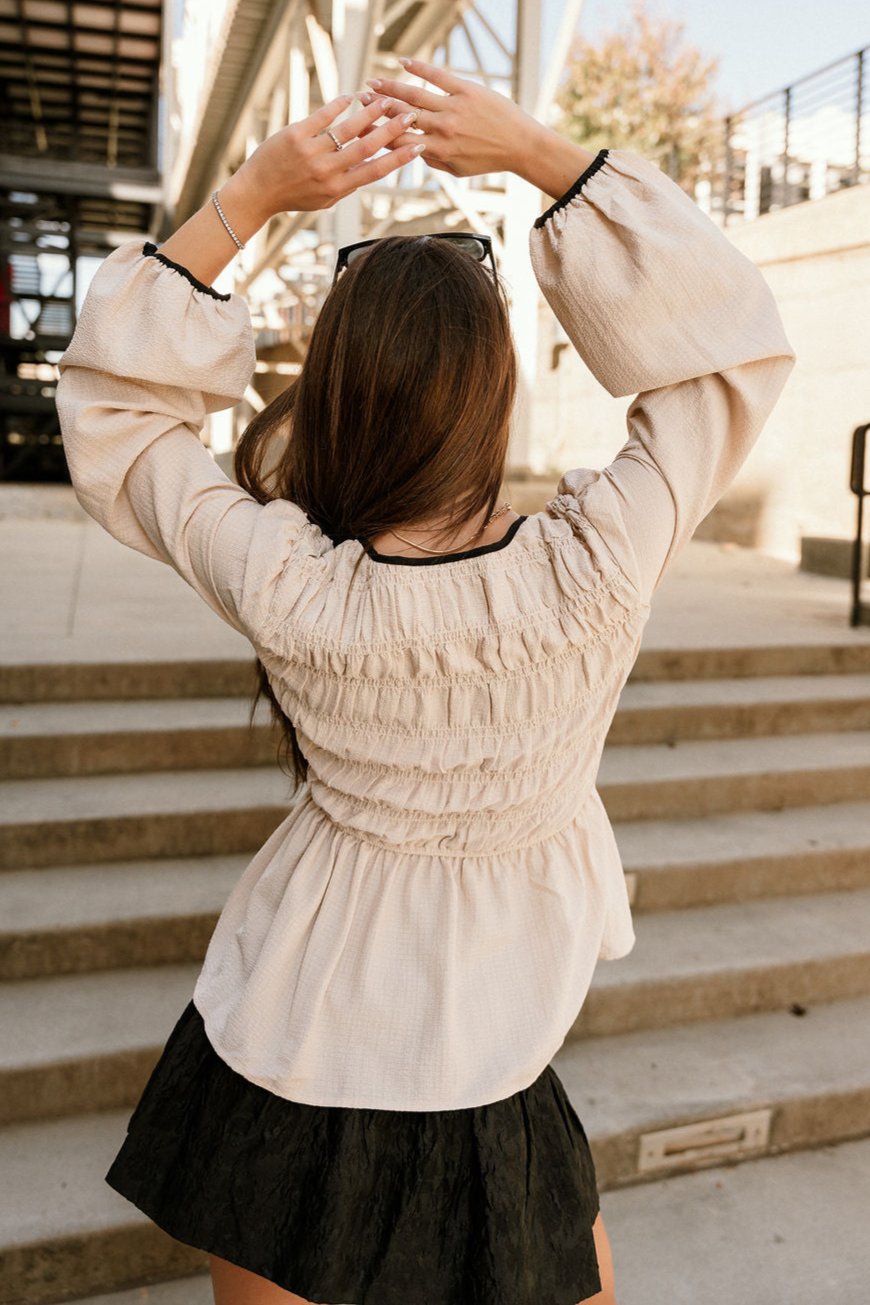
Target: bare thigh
234, 1286
607, 1295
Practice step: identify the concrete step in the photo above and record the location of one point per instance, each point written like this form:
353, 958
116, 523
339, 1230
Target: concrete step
814, 1072
716, 961
703, 777
76, 919
99, 818
194, 812
664, 711
195, 1289
835, 656
785, 1230
792, 1249
742, 855
49, 681
811, 1070
85, 1041
64, 1232
88, 1041
39, 740
45, 739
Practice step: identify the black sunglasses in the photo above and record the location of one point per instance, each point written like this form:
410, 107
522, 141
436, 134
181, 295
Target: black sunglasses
479, 247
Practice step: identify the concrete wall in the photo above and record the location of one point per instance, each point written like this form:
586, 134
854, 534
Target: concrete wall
816, 259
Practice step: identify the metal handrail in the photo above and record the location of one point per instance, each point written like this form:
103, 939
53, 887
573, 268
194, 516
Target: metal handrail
799, 143
860, 614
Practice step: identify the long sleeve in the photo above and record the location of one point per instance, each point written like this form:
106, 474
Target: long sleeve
153, 352
658, 303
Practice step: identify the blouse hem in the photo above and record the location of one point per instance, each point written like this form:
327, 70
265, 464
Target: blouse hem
321, 1099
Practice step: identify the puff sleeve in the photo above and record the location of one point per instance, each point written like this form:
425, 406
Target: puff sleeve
658, 303
154, 351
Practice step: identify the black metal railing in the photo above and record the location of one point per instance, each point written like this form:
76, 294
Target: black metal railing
800, 143
860, 614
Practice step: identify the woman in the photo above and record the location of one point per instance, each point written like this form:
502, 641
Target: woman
357, 1105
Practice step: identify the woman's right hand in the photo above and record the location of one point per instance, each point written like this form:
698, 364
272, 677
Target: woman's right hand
469, 130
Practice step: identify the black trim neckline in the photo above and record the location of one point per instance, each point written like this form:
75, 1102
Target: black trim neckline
151, 249
396, 560
574, 190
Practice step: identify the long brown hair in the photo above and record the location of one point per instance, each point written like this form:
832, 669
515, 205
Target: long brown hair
401, 411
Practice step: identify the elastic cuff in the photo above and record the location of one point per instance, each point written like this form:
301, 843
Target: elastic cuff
575, 189
154, 252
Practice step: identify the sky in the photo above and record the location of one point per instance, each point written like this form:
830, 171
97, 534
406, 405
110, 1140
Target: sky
763, 45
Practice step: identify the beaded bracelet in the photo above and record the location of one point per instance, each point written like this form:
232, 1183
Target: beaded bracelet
223, 219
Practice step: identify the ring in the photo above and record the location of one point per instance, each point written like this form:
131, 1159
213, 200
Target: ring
413, 122
336, 142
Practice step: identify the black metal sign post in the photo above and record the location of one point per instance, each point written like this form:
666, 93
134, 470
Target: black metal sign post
860, 611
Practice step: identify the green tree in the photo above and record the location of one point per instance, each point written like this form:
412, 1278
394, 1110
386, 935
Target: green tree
645, 88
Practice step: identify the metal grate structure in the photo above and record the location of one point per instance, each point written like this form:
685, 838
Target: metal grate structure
123, 115
79, 97
275, 63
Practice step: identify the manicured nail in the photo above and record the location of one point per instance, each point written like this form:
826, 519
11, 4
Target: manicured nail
373, 81
417, 149
406, 63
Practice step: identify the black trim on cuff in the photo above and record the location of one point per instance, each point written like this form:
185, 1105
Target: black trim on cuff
574, 190
154, 252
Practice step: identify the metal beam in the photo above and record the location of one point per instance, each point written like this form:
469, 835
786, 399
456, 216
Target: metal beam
67, 177
568, 24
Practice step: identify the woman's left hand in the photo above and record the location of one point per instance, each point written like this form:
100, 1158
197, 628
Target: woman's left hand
298, 168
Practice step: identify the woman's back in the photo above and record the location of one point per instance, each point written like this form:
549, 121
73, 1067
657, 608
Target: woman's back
420, 931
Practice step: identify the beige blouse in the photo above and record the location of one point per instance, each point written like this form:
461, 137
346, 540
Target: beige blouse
421, 929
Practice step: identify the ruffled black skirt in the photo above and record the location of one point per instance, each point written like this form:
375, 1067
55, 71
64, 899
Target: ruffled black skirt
490, 1205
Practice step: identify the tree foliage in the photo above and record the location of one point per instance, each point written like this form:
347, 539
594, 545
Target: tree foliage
645, 88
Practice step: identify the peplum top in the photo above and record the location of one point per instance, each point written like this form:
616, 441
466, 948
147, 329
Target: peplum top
421, 929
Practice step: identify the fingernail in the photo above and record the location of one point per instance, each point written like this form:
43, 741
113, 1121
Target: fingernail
406, 63
418, 149
385, 104
408, 117
373, 81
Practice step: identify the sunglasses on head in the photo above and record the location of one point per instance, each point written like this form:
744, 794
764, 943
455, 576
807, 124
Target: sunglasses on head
478, 247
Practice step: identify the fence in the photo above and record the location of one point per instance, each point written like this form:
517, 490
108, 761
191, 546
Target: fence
800, 143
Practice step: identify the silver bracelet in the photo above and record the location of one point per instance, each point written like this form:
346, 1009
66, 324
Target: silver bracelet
222, 216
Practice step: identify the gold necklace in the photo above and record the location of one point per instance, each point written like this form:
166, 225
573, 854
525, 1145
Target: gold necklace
504, 508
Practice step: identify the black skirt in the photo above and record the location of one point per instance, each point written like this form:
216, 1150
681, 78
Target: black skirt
489, 1205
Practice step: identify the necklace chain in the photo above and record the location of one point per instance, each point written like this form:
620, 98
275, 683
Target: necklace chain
504, 508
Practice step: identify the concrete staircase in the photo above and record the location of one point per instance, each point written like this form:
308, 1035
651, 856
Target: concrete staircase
133, 796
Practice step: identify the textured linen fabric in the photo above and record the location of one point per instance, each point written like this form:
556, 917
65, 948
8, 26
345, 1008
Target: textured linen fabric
420, 931
493, 1205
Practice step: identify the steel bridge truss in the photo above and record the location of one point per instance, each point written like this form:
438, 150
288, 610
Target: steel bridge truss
305, 54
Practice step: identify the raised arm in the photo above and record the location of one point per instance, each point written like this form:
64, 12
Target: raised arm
156, 349
655, 299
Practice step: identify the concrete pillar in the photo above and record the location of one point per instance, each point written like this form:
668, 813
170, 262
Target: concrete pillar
522, 205
350, 23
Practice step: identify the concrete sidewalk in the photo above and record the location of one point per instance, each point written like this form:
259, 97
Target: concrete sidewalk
72, 593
